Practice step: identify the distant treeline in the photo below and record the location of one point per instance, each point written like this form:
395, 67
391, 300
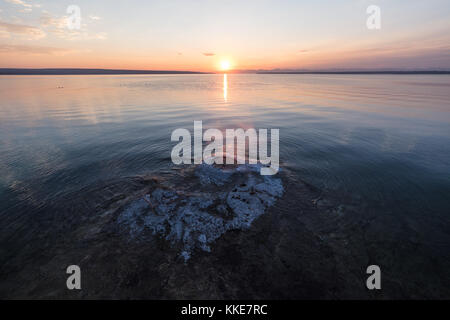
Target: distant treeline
355, 72
14, 71
58, 71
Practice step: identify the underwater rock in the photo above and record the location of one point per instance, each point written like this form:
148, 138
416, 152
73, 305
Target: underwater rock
227, 199
209, 174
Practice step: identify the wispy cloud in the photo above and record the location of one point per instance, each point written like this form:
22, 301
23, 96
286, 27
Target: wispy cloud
32, 32
48, 21
58, 26
19, 2
4, 34
32, 49
99, 36
209, 54
26, 7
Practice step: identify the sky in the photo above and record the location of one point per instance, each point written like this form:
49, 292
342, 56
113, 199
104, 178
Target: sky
199, 35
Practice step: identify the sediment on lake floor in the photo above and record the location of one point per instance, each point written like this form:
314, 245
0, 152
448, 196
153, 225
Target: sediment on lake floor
225, 198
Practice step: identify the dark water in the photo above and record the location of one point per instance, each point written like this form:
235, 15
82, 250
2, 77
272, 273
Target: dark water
378, 144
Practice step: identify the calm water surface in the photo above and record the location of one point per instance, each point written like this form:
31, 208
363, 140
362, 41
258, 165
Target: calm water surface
381, 137
382, 141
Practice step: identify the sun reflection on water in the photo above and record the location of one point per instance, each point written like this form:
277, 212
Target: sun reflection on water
225, 87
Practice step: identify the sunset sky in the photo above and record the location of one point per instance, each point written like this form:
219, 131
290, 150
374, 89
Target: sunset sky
201, 35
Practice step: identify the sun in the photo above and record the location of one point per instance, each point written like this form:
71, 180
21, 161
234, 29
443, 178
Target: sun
225, 65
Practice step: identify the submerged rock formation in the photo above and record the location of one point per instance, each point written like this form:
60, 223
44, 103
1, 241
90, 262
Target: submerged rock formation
225, 198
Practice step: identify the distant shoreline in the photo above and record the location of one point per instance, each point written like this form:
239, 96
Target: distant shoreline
354, 72
81, 71
74, 71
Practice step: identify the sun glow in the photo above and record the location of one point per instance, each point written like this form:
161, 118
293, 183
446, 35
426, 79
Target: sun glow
225, 65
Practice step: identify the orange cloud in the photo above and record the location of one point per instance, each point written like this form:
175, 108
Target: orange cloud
32, 49
34, 32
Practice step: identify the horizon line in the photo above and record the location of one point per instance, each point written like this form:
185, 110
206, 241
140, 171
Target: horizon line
102, 71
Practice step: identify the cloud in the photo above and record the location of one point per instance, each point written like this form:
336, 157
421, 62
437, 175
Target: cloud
33, 32
32, 49
4, 34
209, 54
83, 35
27, 7
99, 36
58, 26
95, 18
48, 21
19, 2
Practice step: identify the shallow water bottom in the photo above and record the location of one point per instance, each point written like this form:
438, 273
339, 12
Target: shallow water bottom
306, 245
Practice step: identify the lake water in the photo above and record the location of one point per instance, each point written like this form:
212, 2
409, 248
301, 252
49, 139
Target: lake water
376, 146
